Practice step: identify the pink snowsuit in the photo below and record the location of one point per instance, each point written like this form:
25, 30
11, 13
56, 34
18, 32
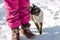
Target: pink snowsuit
17, 12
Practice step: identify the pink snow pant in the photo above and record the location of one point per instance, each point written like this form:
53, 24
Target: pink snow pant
17, 12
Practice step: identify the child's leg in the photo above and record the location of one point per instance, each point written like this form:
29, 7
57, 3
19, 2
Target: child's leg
25, 18
12, 13
24, 11
12, 17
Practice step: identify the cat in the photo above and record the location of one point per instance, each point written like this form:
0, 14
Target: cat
37, 17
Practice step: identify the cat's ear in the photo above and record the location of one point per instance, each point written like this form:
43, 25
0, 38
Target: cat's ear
34, 5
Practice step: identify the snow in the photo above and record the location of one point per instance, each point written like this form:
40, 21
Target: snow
51, 21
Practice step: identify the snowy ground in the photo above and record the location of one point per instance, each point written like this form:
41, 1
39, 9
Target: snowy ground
51, 22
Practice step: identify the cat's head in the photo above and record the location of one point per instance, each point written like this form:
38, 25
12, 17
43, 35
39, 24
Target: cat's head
35, 10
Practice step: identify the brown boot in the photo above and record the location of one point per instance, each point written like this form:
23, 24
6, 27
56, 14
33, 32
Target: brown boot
25, 30
15, 34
